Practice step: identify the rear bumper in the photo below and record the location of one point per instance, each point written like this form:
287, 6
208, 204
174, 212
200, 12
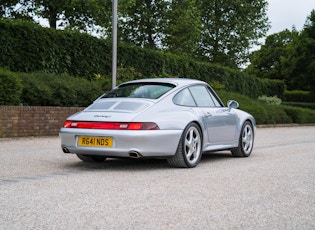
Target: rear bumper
148, 143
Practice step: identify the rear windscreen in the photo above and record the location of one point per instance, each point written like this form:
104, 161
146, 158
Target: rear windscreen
140, 90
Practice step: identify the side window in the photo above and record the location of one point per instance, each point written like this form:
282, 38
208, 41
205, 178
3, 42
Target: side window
184, 98
214, 98
202, 96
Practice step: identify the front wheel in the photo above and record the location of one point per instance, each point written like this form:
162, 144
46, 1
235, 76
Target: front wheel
246, 141
189, 150
92, 158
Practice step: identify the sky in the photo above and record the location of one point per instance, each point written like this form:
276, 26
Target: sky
283, 14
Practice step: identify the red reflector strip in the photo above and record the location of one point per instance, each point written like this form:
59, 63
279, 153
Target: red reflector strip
111, 125
135, 126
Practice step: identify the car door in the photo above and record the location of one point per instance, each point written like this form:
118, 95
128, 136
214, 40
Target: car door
219, 121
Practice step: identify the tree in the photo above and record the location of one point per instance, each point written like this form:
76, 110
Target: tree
211, 30
299, 64
183, 27
142, 22
266, 62
288, 56
230, 29
15, 9
74, 14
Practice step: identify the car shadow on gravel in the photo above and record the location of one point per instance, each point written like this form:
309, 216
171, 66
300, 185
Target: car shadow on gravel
119, 164
139, 164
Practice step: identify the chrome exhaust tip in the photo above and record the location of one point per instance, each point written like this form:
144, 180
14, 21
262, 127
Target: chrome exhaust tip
134, 154
65, 150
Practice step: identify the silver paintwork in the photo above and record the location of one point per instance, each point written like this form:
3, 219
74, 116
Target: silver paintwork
221, 126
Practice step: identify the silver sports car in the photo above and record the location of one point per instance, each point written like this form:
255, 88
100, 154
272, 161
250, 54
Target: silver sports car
172, 118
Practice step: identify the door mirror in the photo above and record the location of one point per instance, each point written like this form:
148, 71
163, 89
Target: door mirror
232, 104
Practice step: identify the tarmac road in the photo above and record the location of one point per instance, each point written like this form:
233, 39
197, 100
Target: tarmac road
42, 188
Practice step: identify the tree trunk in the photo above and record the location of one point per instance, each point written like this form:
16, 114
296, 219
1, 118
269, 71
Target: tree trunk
52, 17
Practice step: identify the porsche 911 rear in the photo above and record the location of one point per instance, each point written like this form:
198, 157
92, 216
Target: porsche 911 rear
118, 139
111, 126
176, 119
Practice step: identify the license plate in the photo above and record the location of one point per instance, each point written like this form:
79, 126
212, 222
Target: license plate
95, 141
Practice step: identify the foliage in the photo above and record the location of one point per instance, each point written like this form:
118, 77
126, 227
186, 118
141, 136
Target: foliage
306, 105
277, 115
10, 88
154, 63
43, 89
299, 64
299, 96
230, 29
216, 85
247, 104
300, 115
82, 15
271, 114
27, 47
143, 22
270, 100
266, 62
183, 28
213, 30
127, 74
288, 56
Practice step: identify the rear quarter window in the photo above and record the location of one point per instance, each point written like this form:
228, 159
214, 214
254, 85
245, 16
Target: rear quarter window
184, 98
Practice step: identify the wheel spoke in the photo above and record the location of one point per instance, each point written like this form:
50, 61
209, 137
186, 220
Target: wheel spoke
192, 141
189, 154
187, 143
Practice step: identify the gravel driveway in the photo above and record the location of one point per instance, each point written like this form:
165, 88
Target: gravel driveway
42, 188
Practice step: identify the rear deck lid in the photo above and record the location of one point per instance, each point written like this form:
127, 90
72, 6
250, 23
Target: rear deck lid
113, 110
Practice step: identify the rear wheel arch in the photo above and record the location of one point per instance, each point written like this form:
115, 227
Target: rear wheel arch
200, 127
189, 150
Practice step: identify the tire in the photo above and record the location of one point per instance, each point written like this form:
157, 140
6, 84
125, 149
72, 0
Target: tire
92, 158
246, 141
189, 150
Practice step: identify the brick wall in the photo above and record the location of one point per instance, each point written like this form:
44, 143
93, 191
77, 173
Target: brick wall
22, 121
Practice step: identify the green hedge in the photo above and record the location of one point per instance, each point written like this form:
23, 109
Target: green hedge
307, 105
28, 47
300, 115
271, 114
44, 89
150, 62
299, 96
10, 88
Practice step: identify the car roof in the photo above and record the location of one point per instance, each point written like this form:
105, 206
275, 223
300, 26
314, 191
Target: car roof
176, 81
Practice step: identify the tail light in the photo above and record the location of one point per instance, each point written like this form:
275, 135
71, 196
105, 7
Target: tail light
111, 125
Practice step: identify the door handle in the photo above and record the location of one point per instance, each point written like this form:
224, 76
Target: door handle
208, 114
